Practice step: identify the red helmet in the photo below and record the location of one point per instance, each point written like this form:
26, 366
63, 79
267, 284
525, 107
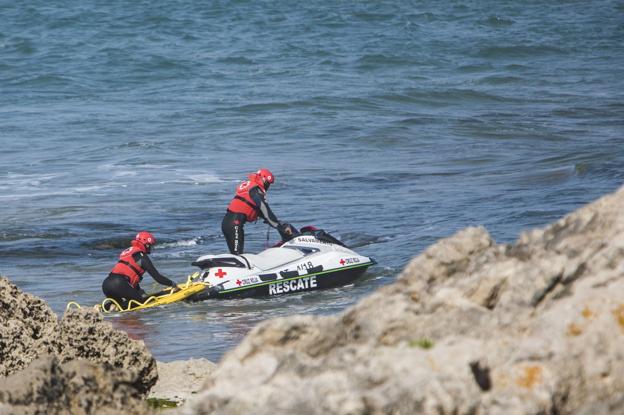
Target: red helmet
145, 238
266, 176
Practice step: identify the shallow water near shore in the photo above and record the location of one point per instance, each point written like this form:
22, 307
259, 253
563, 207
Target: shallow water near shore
388, 124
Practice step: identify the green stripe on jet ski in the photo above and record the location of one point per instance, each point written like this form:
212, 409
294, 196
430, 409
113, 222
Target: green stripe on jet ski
296, 278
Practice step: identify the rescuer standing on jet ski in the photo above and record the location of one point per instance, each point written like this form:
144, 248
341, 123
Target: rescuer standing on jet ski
122, 284
249, 203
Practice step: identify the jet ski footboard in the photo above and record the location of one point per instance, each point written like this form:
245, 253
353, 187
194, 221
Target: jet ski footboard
267, 277
315, 269
294, 274
289, 274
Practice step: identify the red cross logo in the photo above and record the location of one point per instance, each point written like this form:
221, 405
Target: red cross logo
220, 273
238, 282
342, 262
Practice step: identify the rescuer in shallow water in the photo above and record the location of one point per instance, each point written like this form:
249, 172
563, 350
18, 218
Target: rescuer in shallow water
122, 284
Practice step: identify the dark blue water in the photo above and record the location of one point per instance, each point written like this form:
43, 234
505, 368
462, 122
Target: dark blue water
389, 124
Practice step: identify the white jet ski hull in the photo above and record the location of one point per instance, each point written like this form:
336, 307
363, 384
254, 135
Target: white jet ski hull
311, 261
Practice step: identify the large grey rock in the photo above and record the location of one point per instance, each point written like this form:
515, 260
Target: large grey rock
74, 388
27, 328
84, 349
468, 327
83, 334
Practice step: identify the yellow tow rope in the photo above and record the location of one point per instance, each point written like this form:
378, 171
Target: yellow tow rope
72, 303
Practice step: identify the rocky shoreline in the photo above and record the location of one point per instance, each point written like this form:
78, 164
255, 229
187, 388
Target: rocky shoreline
469, 327
79, 364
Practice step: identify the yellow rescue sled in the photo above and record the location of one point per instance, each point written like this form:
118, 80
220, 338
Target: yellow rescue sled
166, 296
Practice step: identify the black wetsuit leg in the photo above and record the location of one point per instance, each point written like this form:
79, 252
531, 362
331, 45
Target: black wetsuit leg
232, 227
119, 289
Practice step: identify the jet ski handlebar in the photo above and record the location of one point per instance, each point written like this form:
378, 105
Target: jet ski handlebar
288, 232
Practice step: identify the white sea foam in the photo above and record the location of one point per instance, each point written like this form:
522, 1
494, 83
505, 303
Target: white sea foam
18, 180
25, 186
182, 243
17, 196
90, 189
191, 177
163, 173
205, 178
116, 171
28, 186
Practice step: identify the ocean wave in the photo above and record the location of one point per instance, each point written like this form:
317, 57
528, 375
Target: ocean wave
160, 173
378, 60
43, 80
236, 60
18, 235
358, 239
122, 242
517, 67
500, 80
265, 106
519, 51
176, 177
447, 97
12, 196
198, 240
475, 67
538, 177
20, 180
497, 21
205, 178
39, 252
374, 17
584, 112
146, 144
27, 186
156, 63
91, 189
19, 45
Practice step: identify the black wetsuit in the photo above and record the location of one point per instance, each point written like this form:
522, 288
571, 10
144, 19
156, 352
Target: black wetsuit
117, 286
232, 224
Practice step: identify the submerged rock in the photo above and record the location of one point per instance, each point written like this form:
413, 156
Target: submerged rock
90, 365
469, 327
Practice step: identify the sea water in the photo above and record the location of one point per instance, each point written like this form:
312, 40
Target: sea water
390, 124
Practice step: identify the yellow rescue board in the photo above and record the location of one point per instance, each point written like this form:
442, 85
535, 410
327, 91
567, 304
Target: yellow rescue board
156, 300
185, 290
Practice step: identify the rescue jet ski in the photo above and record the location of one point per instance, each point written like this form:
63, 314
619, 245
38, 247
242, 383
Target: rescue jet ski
311, 259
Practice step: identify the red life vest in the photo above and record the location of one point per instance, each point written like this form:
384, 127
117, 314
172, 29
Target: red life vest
128, 267
242, 202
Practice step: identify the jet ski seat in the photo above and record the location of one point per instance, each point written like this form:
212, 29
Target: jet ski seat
272, 258
221, 260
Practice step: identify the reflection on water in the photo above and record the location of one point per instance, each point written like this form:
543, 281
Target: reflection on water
134, 326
